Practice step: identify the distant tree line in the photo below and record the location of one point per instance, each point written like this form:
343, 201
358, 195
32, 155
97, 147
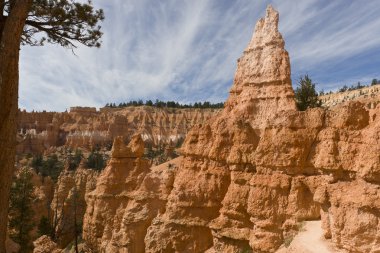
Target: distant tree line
165, 104
352, 87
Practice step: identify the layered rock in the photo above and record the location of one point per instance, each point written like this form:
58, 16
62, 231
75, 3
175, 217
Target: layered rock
262, 85
45, 245
88, 128
68, 205
250, 175
43, 195
128, 196
369, 95
220, 156
106, 204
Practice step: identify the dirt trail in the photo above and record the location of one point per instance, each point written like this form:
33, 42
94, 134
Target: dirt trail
309, 240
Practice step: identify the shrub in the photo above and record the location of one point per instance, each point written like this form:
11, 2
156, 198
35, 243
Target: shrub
74, 160
96, 161
51, 167
306, 95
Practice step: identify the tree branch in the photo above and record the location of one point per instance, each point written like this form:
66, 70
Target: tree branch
2, 5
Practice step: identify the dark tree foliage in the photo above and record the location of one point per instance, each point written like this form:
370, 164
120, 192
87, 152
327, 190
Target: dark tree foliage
179, 142
44, 227
21, 210
33, 22
62, 22
375, 81
344, 88
96, 161
166, 104
37, 162
355, 87
306, 95
74, 160
51, 167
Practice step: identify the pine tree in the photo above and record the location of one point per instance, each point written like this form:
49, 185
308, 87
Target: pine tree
21, 211
96, 161
33, 22
306, 95
44, 227
74, 160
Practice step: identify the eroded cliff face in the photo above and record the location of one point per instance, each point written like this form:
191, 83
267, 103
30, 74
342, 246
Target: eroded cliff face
68, 204
123, 174
229, 204
88, 128
249, 175
369, 95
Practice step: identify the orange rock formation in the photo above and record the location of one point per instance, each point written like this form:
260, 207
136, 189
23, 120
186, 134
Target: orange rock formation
250, 175
86, 127
69, 202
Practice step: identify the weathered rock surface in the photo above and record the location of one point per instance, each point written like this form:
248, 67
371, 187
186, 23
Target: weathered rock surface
45, 245
262, 85
249, 175
43, 195
106, 204
369, 95
68, 205
87, 128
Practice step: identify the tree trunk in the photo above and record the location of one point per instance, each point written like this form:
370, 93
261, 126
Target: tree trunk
9, 58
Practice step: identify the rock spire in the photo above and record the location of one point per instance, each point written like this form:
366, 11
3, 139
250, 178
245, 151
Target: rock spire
262, 85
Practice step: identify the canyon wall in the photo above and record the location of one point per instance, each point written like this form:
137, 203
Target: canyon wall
118, 211
69, 203
88, 128
249, 175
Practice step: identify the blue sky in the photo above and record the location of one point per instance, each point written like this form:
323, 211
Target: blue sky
186, 50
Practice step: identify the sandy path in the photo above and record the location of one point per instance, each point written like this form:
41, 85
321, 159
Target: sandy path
309, 240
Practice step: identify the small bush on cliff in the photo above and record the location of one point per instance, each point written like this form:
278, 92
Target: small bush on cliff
306, 95
96, 161
74, 160
51, 167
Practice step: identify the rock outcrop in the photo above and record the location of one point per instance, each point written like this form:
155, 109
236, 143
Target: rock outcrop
68, 204
106, 204
88, 128
369, 95
43, 195
249, 175
229, 205
127, 197
45, 245
262, 85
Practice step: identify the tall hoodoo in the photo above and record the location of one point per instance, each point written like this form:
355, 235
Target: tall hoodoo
262, 85
215, 210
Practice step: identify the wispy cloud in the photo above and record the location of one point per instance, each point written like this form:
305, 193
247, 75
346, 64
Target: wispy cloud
187, 50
